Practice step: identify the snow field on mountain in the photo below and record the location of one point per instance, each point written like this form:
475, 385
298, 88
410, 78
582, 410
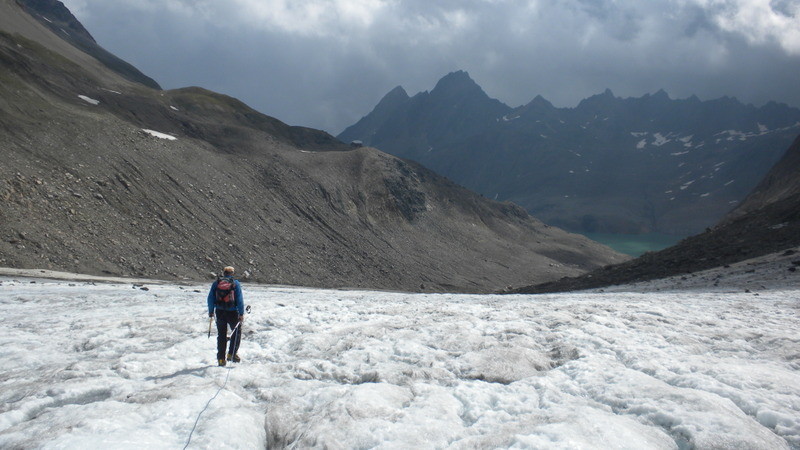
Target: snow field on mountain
115, 366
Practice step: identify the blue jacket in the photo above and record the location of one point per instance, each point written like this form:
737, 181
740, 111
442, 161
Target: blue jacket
237, 293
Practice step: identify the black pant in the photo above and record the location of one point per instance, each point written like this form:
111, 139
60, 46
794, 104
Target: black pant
225, 319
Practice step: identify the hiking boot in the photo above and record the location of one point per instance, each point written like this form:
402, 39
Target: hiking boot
235, 358
221, 362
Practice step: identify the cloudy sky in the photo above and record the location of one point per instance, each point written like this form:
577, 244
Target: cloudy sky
326, 63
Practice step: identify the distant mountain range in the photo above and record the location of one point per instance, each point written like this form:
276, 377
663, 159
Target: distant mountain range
104, 173
767, 221
634, 165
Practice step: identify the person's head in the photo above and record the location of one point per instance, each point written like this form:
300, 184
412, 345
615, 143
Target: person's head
228, 271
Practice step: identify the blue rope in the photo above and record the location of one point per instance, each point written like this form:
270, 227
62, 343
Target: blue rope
206, 407
189, 440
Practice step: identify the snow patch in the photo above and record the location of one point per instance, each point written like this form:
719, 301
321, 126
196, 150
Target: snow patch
89, 100
641, 144
660, 140
159, 135
173, 108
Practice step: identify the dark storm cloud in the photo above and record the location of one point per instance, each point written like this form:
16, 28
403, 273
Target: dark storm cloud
326, 63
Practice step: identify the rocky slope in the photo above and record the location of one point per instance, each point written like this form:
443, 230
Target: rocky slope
768, 221
58, 19
608, 165
782, 182
104, 175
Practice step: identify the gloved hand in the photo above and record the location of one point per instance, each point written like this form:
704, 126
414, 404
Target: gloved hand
241, 318
210, 315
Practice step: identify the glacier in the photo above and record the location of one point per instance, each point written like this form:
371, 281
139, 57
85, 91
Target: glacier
130, 365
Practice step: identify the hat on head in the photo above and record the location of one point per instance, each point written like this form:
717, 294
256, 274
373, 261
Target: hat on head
228, 270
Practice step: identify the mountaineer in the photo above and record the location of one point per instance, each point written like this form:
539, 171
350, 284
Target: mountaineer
225, 298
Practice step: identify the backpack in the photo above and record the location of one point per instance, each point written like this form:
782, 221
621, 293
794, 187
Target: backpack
225, 292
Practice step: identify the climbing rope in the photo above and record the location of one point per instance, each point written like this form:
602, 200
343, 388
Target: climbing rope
197, 420
194, 427
189, 440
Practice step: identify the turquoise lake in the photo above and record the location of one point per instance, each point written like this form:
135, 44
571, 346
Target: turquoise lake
635, 244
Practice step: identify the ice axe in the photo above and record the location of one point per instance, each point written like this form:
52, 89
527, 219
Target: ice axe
210, 320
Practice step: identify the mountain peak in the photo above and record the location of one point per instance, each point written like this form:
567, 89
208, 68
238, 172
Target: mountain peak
598, 100
457, 77
539, 103
661, 94
396, 95
457, 82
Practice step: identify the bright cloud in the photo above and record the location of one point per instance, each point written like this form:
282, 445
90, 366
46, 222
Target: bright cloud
760, 21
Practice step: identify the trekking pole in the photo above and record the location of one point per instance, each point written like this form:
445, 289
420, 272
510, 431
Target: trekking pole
210, 320
239, 327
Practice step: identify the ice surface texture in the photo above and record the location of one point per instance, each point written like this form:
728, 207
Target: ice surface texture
115, 366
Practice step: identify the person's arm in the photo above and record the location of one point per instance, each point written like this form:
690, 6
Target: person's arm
239, 299
211, 299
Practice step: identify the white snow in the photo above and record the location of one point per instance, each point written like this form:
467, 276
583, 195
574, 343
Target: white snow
89, 100
641, 144
173, 108
679, 153
159, 135
639, 133
660, 140
115, 366
743, 136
